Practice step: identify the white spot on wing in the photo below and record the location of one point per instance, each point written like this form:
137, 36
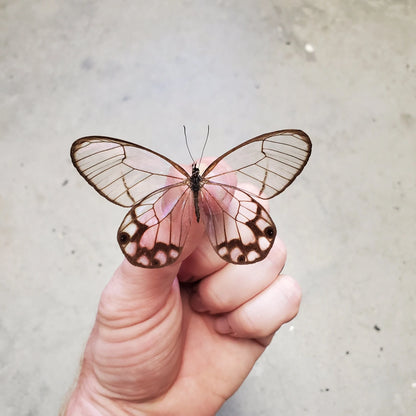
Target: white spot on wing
263, 243
223, 251
131, 249
252, 256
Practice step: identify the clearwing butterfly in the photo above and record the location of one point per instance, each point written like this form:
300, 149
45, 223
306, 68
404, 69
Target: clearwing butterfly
163, 196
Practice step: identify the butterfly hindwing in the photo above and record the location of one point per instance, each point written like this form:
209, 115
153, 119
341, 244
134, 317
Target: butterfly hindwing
154, 231
240, 229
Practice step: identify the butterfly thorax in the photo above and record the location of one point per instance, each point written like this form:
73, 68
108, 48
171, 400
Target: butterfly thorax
195, 185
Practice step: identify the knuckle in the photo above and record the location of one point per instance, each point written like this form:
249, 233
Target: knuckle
293, 294
251, 325
215, 299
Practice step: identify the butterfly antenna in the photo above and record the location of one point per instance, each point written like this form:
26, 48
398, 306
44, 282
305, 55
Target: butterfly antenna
187, 145
203, 148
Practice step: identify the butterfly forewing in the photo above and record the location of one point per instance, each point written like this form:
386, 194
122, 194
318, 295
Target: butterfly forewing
123, 172
270, 162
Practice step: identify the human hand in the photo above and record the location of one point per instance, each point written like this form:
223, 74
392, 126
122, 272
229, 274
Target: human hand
180, 340
163, 345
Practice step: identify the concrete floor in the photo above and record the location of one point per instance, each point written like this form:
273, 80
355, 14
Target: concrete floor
345, 72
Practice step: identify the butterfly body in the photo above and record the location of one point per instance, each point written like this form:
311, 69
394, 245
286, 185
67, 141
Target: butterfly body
163, 197
195, 183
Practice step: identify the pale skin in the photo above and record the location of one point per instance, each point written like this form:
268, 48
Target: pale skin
180, 340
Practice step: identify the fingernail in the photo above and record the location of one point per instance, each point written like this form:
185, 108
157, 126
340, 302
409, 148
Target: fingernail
222, 326
197, 304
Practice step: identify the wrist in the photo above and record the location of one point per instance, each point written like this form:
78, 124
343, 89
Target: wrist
87, 400
83, 401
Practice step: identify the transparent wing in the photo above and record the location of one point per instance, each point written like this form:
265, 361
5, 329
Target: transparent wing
123, 172
153, 232
270, 162
240, 230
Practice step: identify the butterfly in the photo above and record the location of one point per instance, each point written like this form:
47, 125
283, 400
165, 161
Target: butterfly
164, 198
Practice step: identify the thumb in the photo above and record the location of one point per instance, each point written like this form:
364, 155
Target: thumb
134, 349
135, 294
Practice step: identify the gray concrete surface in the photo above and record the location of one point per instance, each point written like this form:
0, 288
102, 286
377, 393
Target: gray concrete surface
342, 71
